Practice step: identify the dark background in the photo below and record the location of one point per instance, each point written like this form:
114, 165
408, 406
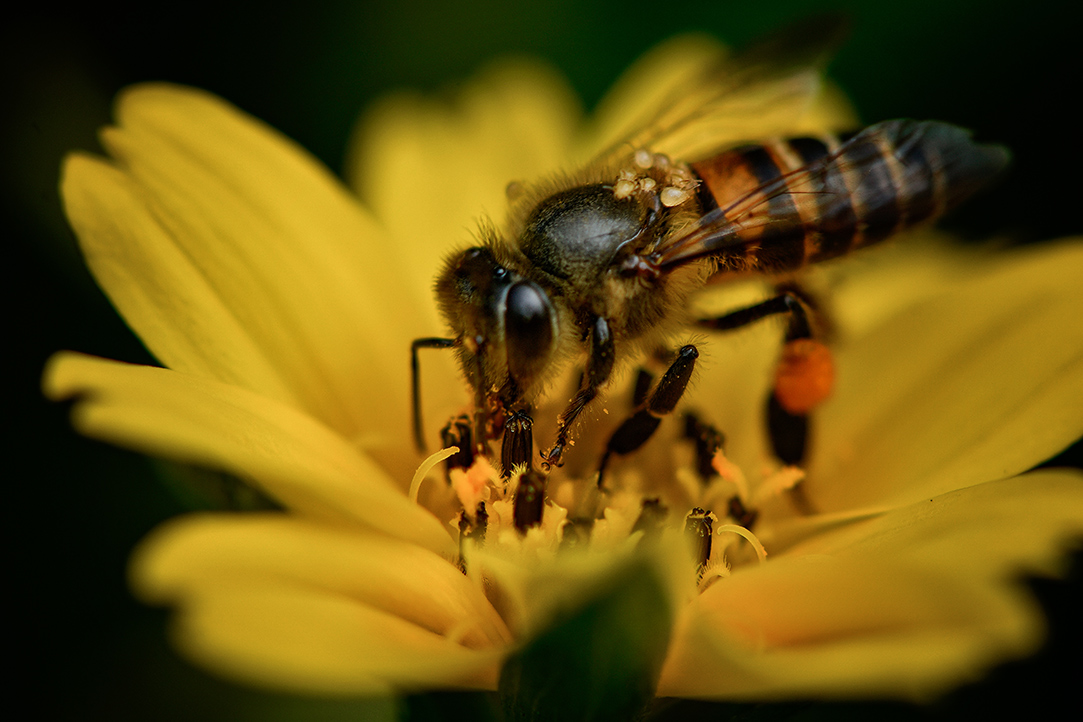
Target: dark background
74, 508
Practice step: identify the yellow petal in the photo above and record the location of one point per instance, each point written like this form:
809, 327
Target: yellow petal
312, 641
979, 382
430, 170
203, 554
236, 257
294, 458
823, 627
994, 530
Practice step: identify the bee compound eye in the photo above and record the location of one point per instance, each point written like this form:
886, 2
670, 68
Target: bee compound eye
528, 331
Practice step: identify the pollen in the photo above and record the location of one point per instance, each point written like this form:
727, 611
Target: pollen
672, 196
624, 189
805, 376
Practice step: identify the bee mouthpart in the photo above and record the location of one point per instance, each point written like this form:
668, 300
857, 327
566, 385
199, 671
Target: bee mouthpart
640, 267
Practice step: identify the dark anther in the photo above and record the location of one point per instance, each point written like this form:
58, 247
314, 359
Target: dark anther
457, 433
651, 518
529, 500
464, 533
707, 440
741, 514
698, 526
518, 446
473, 529
788, 432
576, 532
481, 523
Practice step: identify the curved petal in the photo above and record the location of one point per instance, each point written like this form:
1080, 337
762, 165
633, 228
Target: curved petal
313, 641
203, 554
980, 382
994, 530
826, 627
235, 256
906, 604
294, 458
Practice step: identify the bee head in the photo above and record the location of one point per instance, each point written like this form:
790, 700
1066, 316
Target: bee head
504, 325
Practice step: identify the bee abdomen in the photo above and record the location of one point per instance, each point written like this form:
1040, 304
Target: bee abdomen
801, 200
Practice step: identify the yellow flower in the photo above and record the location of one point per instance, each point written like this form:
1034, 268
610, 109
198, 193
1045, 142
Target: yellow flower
283, 310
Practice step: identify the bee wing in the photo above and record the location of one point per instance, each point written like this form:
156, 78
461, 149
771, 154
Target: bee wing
889, 176
724, 99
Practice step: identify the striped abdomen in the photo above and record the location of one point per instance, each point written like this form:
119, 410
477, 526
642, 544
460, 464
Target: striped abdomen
782, 205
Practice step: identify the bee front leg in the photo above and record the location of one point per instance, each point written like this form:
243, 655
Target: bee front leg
518, 446
599, 368
641, 425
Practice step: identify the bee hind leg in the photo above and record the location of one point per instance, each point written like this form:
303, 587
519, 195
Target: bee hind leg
805, 374
641, 425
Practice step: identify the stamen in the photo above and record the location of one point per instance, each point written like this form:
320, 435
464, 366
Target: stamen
474, 484
518, 447
426, 466
731, 473
481, 523
458, 433
778, 482
698, 525
751, 538
712, 574
529, 500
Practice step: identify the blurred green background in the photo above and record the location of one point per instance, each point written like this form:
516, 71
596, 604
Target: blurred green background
1009, 70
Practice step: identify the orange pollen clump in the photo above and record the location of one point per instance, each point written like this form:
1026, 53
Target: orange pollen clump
805, 375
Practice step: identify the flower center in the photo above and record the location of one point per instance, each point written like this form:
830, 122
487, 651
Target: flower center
531, 516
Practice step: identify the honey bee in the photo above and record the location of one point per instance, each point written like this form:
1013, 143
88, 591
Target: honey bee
600, 265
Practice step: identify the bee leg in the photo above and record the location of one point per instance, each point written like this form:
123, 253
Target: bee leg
415, 386
805, 374
518, 446
599, 367
644, 379
641, 425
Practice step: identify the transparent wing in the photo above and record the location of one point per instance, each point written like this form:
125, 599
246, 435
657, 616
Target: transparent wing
715, 100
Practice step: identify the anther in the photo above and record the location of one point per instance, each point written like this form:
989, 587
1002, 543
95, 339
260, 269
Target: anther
529, 502
518, 446
457, 433
698, 525
481, 523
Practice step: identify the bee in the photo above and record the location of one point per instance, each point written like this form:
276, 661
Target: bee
600, 265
